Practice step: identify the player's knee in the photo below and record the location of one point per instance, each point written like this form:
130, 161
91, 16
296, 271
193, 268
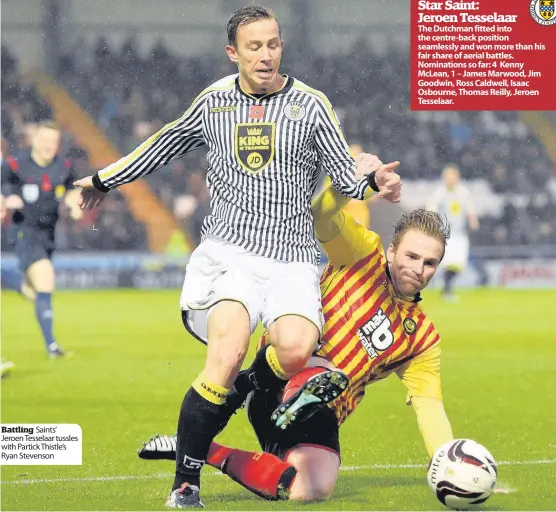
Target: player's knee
293, 353
317, 473
228, 360
40, 276
228, 338
294, 340
323, 490
311, 491
227, 350
292, 356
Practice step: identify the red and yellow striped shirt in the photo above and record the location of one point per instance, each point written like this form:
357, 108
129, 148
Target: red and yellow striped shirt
369, 333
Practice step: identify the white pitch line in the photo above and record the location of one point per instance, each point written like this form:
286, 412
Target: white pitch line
218, 473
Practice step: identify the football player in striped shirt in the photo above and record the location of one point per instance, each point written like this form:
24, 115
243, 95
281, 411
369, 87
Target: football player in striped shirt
374, 327
268, 136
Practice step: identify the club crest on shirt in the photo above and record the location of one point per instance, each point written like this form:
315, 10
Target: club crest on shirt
30, 192
294, 111
455, 207
409, 326
59, 191
254, 145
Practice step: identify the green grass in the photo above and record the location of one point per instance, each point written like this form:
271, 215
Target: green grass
133, 362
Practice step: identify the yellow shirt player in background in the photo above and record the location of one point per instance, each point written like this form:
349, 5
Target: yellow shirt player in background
374, 327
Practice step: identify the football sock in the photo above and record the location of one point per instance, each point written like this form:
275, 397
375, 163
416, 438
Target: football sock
12, 279
265, 373
449, 276
243, 384
43, 311
202, 416
262, 473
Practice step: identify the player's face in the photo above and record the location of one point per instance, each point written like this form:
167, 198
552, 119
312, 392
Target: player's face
451, 177
257, 53
46, 143
414, 262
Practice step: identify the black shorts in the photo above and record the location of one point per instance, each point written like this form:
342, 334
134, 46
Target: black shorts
32, 245
320, 430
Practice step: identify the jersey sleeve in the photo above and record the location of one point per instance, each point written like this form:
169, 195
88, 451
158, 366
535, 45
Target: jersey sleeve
334, 152
172, 141
421, 376
433, 422
353, 243
10, 179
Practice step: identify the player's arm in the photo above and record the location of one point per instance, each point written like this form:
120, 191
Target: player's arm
334, 152
328, 205
327, 209
344, 240
10, 185
421, 376
350, 177
172, 141
472, 218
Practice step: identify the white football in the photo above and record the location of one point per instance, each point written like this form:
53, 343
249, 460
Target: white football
462, 474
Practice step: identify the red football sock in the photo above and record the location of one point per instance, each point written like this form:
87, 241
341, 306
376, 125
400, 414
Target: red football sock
262, 473
217, 454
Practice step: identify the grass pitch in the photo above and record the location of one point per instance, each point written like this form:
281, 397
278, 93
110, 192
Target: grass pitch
133, 362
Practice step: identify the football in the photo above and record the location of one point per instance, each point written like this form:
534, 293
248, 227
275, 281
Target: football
462, 474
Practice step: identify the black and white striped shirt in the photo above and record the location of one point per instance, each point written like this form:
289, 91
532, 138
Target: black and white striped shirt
264, 158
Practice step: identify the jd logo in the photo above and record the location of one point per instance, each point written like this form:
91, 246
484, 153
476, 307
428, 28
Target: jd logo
254, 160
254, 145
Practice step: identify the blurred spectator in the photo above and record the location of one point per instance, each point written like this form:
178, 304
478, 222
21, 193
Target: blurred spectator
500, 182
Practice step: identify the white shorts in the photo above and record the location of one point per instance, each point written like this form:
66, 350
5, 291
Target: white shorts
457, 253
268, 289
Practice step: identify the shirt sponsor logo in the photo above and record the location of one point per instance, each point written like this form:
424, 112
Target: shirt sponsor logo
254, 145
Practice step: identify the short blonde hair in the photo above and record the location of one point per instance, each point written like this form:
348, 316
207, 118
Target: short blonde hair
425, 221
49, 124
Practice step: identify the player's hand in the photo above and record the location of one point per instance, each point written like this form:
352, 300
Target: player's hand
366, 163
76, 213
13, 202
389, 183
89, 197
